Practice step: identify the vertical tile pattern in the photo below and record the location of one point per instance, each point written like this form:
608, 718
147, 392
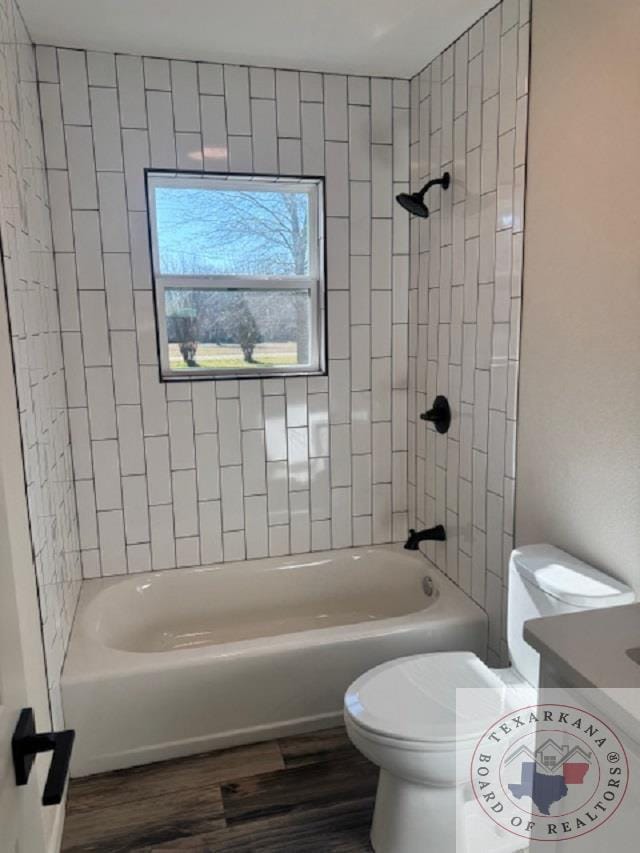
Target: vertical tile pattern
37, 321
224, 470
465, 278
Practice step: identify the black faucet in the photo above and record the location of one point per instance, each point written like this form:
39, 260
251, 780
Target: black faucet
437, 534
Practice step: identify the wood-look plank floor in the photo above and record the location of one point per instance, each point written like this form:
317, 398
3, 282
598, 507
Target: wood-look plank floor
311, 793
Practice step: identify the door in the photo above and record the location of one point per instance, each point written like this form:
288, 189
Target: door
25, 825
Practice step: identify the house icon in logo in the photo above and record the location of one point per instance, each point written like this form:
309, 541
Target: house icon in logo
549, 755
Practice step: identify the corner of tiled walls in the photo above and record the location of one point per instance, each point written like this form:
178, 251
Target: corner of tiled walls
25, 227
469, 115
171, 475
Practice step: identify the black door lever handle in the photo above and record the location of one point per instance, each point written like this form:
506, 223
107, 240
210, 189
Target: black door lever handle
26, 744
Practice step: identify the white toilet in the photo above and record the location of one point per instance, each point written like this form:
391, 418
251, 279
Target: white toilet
402, 715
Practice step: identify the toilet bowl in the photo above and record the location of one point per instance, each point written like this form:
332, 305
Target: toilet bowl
411, 718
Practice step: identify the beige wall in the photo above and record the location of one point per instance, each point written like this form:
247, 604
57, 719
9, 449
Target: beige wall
578, 482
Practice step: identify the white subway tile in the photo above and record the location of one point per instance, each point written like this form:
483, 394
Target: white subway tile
113, 212
300, 523
320, 535
214, 132
257, 533
236, 84
119, 293
130, 439
381, 107
162, 143
154, 402
87, 517
106, 129
125, 370
288, 98
210, 78
359, 143
335, 107
185, 503
382, 513
188, 551
135, 147
320, 479
61, 225
113, 557
275, 428
341, 532
139, 558
210, 532
337, 178
298, 452
163, 546
95, 336
279, 541
181, 438
136, 509
156, 74
278, 492
311, 86
232, 498
47, 64
296, 390
312, 138
82, 170
133, 111
53, 131
233, 545
265, 146
508, 79
254, 462
229, 428
184, 85
106, 468
362, 484
73, 86
139, 239
80, 443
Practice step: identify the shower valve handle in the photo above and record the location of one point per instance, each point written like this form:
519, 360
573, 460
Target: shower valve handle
439, 415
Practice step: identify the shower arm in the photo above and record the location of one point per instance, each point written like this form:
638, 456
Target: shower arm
434, 182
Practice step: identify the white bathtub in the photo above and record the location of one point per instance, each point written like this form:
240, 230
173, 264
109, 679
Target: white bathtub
177, 662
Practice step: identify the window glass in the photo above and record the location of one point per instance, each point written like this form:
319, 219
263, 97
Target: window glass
231, 232
230, 329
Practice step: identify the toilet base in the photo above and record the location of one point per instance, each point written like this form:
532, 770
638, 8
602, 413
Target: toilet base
413, 818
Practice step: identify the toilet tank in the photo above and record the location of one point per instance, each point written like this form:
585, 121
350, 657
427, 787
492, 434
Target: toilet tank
545, 581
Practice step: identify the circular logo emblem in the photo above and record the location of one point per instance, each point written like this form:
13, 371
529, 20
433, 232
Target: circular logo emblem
549, 772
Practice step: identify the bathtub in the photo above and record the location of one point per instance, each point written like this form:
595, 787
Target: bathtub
171, 663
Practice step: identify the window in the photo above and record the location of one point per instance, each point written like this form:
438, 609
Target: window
238, 267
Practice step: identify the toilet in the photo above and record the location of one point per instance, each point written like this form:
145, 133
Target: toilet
402, 714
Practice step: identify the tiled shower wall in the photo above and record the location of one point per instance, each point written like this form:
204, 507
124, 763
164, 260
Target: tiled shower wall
469, 115
27, 256
194, 473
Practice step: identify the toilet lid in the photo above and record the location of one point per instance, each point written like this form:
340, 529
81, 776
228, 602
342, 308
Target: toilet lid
414, 698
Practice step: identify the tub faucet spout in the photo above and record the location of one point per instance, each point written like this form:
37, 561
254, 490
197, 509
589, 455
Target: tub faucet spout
437, 534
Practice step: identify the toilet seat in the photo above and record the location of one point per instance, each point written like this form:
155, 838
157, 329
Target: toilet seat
412, 700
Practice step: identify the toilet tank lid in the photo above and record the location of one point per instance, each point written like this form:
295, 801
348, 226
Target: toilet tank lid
568, 579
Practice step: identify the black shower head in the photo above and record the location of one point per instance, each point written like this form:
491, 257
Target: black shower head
414, 202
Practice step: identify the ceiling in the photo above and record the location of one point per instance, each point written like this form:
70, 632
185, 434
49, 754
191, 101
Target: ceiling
379, 37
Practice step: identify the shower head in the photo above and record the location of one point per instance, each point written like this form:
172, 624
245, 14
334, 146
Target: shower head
414, 202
